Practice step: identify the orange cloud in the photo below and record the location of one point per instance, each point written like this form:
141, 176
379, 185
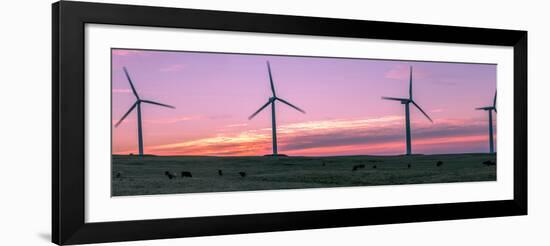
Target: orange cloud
383, 135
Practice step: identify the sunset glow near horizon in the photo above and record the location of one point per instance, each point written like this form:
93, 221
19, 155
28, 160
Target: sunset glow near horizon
215, 93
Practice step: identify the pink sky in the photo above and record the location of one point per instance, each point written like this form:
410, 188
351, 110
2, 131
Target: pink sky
215, 93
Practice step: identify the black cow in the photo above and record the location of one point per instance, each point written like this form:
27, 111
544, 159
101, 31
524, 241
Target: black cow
169, 175
358, 166
374, 167
186, 174
408, 165
489, 163
118, 175
439, 163
220, 172
243, 174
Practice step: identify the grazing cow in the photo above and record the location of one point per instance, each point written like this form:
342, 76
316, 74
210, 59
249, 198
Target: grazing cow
374, 167
354, 168
439, 163
220, 172
243, 174
408, 165
358, 166
118, 175
186, 174
489, 163
169, 175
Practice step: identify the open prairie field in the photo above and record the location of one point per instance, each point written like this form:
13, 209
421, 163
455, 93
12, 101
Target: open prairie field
132, 175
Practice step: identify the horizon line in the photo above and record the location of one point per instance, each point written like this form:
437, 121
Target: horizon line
233, 156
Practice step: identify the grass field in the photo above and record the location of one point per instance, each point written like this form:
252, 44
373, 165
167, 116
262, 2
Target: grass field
146, 175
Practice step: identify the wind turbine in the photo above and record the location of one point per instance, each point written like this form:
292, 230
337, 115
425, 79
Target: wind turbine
272, 101
406, 102
137, 105
490, 110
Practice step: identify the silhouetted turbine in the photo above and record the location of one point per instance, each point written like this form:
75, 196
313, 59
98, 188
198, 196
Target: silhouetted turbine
272, 101
137, 105
407, 101
490, 110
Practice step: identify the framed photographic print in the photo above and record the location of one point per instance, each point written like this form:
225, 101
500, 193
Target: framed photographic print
177, 123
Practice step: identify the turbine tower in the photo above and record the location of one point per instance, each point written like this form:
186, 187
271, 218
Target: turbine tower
272, 101
490, 110
137, 105
407, 102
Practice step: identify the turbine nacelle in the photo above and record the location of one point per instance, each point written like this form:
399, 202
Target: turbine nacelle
494, 107
487, 108
490, 110
137, 106
271, 101
406, 102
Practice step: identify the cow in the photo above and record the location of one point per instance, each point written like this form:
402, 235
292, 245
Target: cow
186, 174
243, 174
439, 163
220, 173
169, 175
118, 175
408, 165
374, 167
489, 163
358, 166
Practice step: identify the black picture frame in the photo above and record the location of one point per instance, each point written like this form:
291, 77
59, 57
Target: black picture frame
68, 106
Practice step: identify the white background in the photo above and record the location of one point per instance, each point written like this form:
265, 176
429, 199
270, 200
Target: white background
25, 122
101, 207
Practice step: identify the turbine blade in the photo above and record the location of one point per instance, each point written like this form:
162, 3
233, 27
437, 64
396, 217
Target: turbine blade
156, 103
131, 84
271, 79
411, 83
419, 108
126, 114
259, 110
495, 102
290, 104
395, 99
485, 108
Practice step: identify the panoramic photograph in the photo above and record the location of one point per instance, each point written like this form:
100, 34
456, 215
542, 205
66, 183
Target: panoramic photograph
196, 122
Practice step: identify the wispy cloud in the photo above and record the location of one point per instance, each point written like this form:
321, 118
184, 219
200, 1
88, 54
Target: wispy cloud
172, 68
220, 117
352, 136
237, 125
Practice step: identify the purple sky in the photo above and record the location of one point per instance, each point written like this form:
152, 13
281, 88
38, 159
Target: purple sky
215, 93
